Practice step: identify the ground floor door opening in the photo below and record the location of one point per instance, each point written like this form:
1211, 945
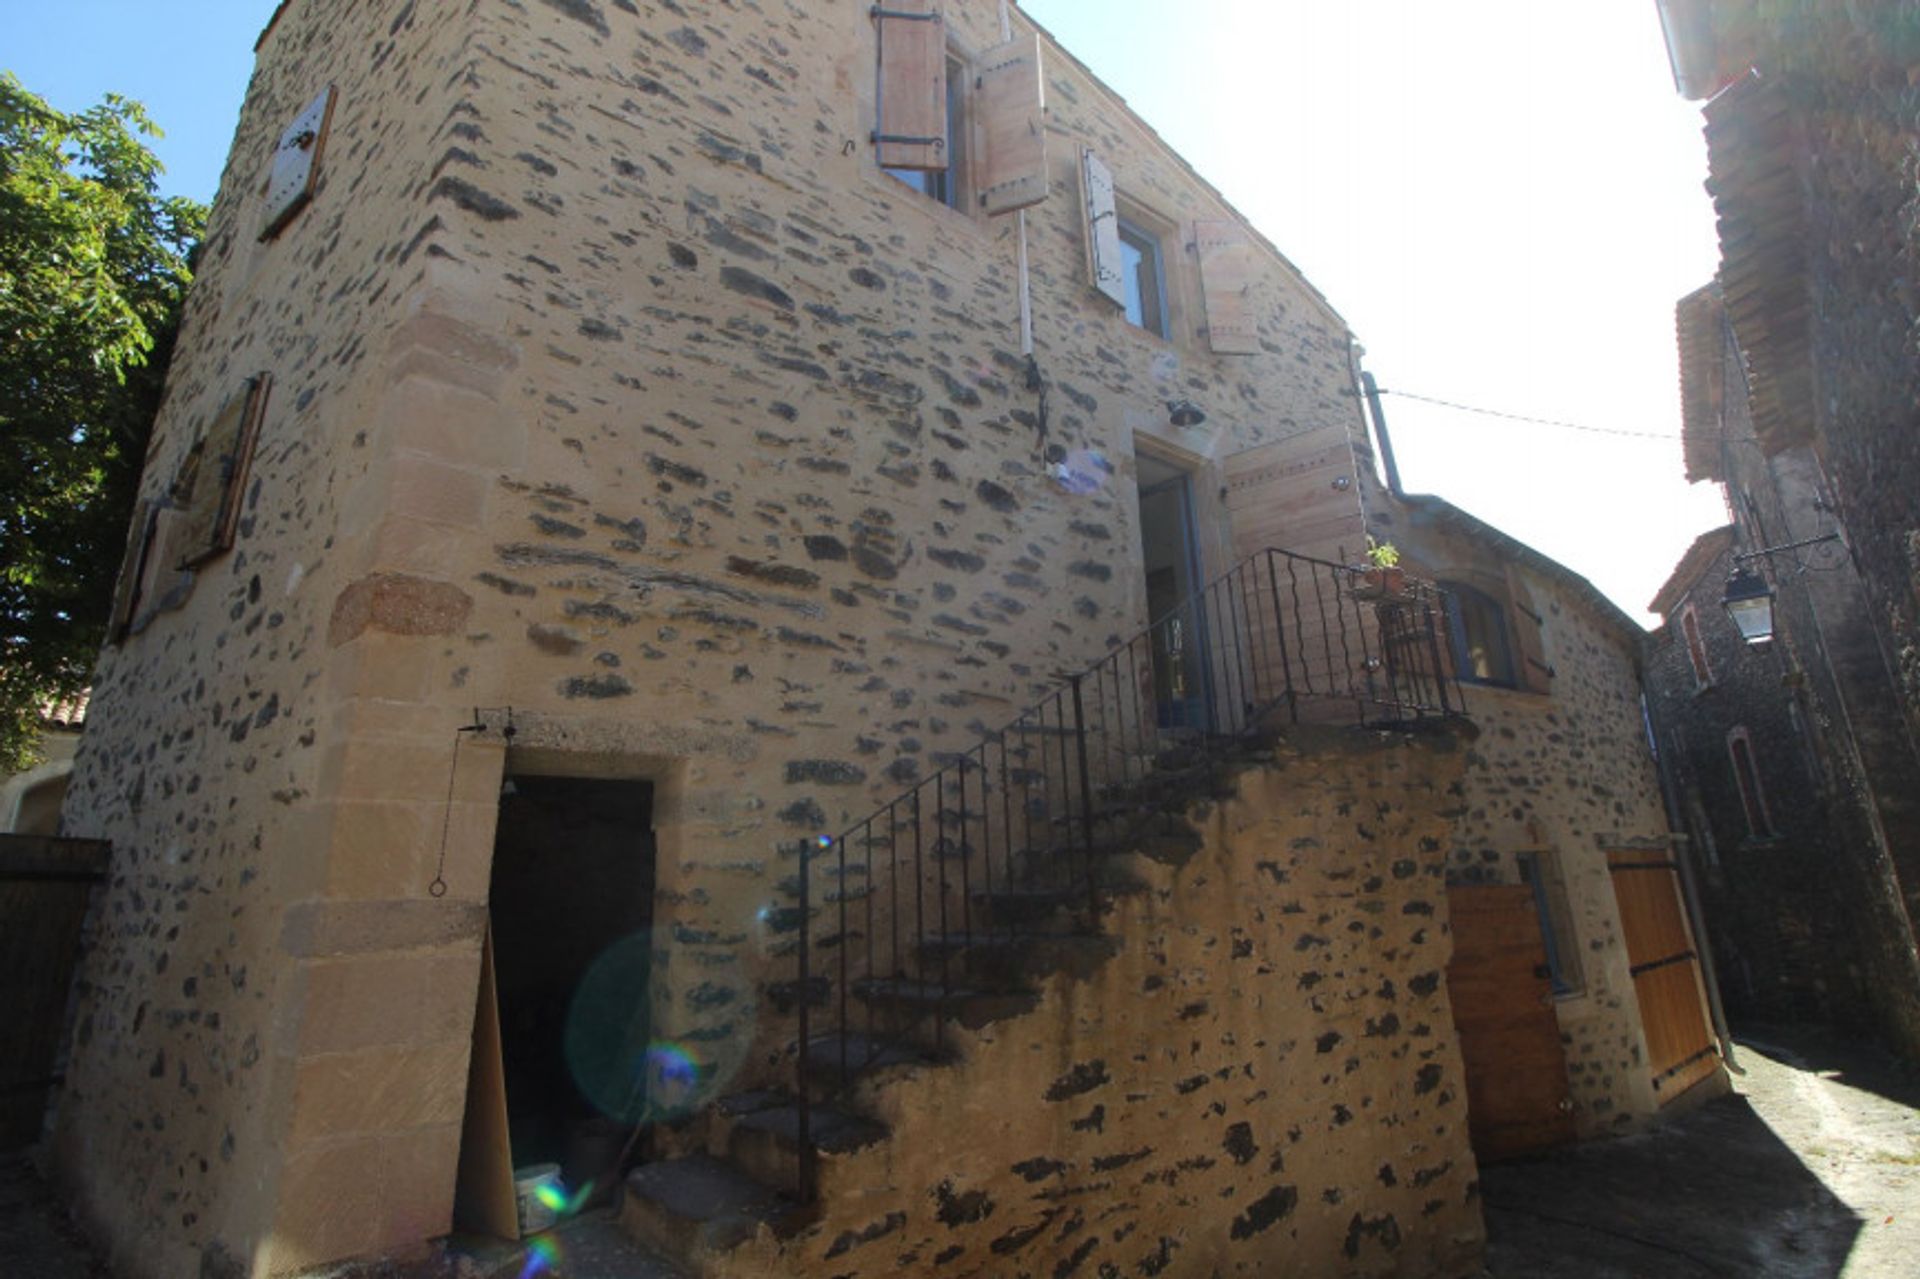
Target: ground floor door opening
559, 1077
1170, 558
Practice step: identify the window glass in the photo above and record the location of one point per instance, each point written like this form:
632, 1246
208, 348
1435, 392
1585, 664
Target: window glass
1542, 872
1482, 650
944, 185
1145, 278
1759, 823
1696, 648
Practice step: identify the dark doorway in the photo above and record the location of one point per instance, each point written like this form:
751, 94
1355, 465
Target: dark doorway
571, 902
1170, 560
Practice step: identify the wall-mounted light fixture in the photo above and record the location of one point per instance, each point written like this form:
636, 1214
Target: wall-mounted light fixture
1184, 413
1749, 596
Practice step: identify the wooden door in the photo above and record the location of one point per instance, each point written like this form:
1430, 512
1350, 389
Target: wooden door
1666, 971
45, 886
1502, 996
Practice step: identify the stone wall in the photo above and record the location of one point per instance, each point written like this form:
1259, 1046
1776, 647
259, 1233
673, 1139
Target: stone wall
219, 733
1262, 1080
1849, 75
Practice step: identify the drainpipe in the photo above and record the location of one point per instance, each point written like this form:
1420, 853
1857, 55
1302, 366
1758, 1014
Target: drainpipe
1372, 392
1025, 273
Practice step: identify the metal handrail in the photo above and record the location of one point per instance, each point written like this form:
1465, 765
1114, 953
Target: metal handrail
1277, 633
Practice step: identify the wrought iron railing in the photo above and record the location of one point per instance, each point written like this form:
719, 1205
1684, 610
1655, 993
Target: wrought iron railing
1010, 838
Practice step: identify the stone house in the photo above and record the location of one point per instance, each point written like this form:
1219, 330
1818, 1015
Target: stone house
1792, 762
1561, 798
624, 473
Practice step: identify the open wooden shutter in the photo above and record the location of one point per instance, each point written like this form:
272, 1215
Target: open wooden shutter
1532, 670
1226, 275
296, 164
911, 115
1103, 228
1012, 109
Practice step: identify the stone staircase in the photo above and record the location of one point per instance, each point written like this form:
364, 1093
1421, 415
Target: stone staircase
736, 1173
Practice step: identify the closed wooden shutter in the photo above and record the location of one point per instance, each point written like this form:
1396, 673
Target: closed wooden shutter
1226, 276
1532, 671
911, 117
1103, 228
1012, 110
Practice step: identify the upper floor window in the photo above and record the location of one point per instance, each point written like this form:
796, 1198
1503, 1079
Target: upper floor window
1752, 799
1477, 628
1696, 647
944, 185
1144, 278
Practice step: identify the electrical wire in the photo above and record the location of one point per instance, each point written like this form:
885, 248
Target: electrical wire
1553, 422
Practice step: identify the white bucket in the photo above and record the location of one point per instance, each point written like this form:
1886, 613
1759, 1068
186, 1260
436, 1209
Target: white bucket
534, 1215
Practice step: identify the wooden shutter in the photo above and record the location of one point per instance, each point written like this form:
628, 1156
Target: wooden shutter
214, 491
911, 104
1012, 110
296, 163
1103, 228
1226, 276
1532, 671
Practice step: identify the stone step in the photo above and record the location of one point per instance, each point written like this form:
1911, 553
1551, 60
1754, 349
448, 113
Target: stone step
916, 1001
836, 1062
698, 1208
1013, 907
1007, 959
764, 1142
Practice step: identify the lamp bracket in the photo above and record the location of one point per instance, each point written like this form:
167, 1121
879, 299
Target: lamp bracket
1784, 547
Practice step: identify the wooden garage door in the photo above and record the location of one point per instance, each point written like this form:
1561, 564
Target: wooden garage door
1666, 971
1502, 996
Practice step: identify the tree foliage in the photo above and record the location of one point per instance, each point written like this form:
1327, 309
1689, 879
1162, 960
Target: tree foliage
93, 269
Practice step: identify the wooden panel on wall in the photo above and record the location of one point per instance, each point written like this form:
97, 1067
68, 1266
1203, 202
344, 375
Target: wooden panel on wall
1681, 1049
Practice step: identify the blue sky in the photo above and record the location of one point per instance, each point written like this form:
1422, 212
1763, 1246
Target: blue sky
1503, 197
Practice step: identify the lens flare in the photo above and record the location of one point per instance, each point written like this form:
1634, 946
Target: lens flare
554, 1199
638, 1057
543, 1257
1081, 473
673, 1077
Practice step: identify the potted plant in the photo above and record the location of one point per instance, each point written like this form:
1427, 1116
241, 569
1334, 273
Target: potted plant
1382, 574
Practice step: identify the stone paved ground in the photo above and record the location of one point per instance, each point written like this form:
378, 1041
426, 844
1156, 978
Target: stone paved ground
1811, 1171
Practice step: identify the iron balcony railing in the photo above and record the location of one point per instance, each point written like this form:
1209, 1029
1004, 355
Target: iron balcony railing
1008, 838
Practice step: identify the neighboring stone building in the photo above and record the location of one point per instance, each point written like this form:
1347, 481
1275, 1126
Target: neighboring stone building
30, 800
589, 481
1794, 765
1812, 111
1780, 908
1811, 114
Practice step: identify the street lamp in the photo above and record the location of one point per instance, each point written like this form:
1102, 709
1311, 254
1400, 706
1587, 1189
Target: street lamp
1749, 597
1749, 602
